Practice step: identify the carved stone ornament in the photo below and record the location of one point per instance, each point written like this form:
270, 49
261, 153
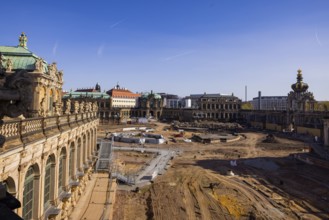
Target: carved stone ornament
68, 107
2, 58
4, 176
43, 108
60, 76
76, 107
9, 65
38, 65
57, 108
95, 107
82, 109
15, 94
52, 68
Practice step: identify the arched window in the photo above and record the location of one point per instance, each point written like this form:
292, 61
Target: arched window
72, 160
84, 149
49, 182
61, 171
78, 164
51, 100
29, 194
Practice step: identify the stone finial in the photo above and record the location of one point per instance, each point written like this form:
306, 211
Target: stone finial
23, 40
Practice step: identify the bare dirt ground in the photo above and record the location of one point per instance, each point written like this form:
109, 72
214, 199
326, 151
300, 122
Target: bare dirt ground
268, 184
131, 161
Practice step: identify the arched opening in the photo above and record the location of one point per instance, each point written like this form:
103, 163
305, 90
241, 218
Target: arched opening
72, 161
49, 182
89, 144
10, 186
78, 164
84, 149
61, 171
30, 193
51, 100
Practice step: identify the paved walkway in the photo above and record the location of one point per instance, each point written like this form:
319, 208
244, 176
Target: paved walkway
156, 166
93, 203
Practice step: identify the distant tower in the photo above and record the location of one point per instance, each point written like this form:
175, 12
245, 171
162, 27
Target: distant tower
245, 93
259, 100
23, 40
98, 87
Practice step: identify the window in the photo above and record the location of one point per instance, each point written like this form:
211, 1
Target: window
48, 182
61, 176
71, 168
78, 164
28, 194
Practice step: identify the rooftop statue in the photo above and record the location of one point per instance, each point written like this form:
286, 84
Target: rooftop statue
9, 65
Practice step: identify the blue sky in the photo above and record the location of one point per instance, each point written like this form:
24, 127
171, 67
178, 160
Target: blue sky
178, 46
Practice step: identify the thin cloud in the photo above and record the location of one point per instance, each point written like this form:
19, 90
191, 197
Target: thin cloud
178, 55
100, 50
117, 23
55, 49
317, 39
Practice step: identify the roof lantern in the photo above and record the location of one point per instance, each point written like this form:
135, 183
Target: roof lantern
23, 40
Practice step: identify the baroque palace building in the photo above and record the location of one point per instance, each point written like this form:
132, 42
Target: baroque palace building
300, 115
47, 147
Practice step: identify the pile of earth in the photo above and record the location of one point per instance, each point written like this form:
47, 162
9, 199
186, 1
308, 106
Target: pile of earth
270, 138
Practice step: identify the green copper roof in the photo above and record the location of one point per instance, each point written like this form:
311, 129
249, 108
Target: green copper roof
147, 95
16, 50
21, 58
93, 95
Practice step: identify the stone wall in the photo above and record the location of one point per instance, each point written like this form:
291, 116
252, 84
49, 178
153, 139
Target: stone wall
65, 144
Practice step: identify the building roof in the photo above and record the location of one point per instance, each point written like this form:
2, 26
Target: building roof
271, 97
147, 95
93, 95
218, 95
118, 92
87, 90
21, 57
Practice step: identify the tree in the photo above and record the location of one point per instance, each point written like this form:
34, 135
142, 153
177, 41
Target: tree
246, 106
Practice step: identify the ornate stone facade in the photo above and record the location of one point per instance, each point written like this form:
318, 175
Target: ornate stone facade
300, 117
38, 85
67, 142
300, 99
149, 105
45, 158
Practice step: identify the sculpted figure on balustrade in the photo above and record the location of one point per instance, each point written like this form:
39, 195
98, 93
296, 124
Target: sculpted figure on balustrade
76, 107
68, 107
82, 107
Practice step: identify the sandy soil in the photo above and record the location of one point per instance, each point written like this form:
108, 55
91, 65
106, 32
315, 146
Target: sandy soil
268, 184
131, 161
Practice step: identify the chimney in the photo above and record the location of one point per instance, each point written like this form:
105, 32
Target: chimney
259, 99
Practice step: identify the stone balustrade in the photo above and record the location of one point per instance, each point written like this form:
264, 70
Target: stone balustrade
22, 132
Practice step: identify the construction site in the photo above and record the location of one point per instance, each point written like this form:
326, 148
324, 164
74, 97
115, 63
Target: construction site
256, 176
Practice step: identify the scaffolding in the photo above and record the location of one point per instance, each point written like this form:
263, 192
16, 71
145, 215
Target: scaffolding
104, 156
